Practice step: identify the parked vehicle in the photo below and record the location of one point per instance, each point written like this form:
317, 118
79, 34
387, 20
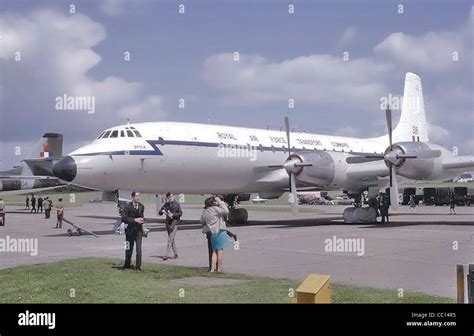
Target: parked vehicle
443, 196
343, 200
429, 195
325, 201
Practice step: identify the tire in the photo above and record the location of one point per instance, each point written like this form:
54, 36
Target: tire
238, 216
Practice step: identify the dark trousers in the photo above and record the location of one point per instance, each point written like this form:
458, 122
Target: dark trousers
133, 237
47, 213
40, 208
33, 208
384, 215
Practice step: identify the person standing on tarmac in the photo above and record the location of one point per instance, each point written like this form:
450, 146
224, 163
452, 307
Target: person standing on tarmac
59, 213
40, 204
452, 205
173, 212
33, 204
47, 208
133, 216
384, 209
2, 212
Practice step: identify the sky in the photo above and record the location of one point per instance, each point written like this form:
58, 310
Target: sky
334, 59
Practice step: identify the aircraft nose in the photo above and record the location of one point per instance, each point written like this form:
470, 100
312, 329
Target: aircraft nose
65, 169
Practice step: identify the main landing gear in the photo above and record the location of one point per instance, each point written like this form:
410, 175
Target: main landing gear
236, 215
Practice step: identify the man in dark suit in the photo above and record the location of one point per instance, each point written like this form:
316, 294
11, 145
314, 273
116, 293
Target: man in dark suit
133, 216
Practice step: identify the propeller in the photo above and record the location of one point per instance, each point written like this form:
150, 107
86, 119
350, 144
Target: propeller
290, 166
293, 166
391, 158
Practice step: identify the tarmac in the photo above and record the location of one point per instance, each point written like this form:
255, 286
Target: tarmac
417, 251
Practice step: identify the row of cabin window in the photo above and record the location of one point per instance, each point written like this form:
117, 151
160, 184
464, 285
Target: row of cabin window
122, 134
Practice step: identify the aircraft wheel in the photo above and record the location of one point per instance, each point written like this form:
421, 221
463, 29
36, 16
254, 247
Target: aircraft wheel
69, 232
238, 216
79, 232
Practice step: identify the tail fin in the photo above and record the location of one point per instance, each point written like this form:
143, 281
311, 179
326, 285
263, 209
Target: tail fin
412, 125
50, 147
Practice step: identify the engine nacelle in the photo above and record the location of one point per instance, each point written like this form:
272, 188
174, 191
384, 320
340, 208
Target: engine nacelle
419, 168
327, 168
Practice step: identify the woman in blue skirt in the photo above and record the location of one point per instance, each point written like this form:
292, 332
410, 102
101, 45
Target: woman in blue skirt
213, 219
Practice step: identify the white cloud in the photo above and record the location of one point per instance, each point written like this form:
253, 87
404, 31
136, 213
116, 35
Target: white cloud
57, 57
356, 86
432, 51
322, 79
348, 36
429, 52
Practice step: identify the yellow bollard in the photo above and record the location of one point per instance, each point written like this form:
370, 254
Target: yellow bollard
316, 288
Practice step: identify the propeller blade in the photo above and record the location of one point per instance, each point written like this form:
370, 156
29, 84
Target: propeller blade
293, 197
393, 188
390, 171
303, 164
425, 154
287, 129
388, 116
265, 169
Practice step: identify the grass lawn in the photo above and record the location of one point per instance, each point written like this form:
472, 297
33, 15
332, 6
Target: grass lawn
97, 280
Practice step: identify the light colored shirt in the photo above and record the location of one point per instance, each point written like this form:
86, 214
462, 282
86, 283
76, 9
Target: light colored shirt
59, 207
213, 217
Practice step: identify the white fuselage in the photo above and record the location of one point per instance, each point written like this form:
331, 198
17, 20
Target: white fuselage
200, 158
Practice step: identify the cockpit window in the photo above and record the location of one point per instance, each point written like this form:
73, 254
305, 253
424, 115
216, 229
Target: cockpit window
101, 134
106, 135
114, 134
138, 135
130, 134
122, 134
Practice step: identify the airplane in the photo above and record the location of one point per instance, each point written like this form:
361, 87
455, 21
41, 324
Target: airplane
155, 157
34, 173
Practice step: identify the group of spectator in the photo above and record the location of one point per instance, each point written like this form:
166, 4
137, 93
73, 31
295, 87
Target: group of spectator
46, 204
213, 220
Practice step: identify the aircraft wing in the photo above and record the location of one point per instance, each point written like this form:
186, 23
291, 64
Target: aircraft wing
26, 177
26, 191
456, 162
